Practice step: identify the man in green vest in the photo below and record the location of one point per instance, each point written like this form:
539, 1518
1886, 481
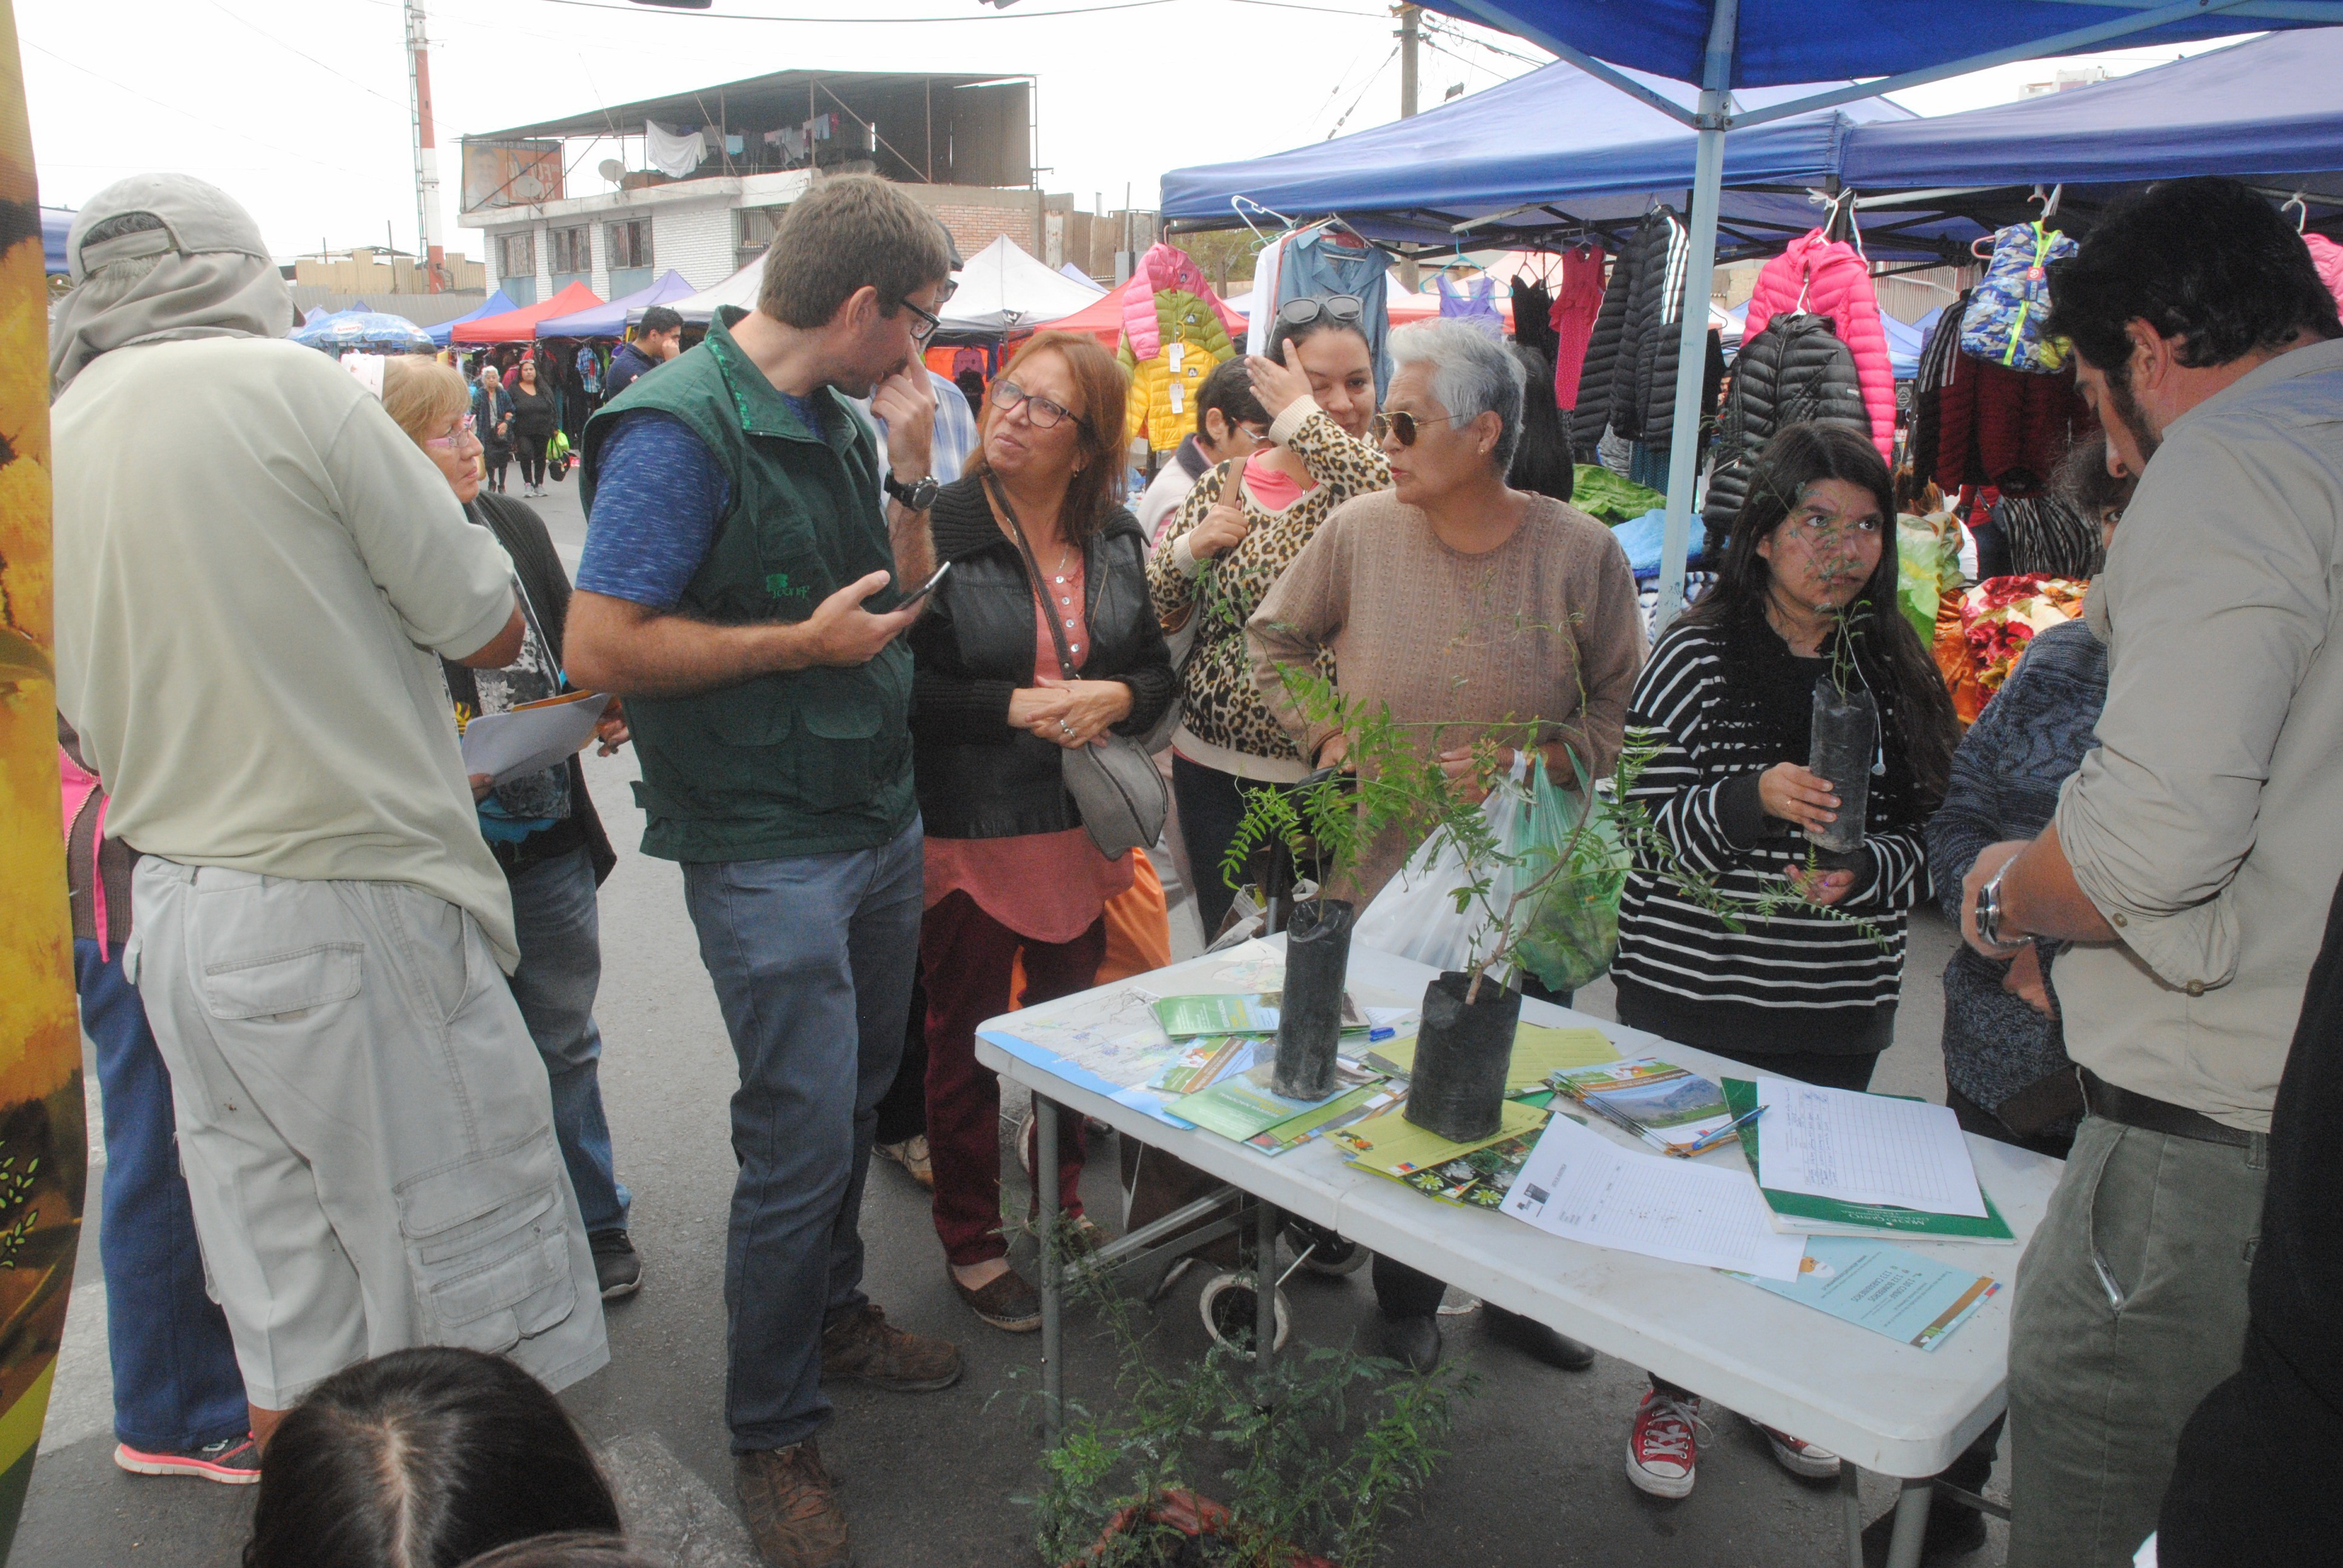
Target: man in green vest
743, 589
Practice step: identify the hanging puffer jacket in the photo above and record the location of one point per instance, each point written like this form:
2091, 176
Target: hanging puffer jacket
2004, 322
1830, 277
2327, 256
1164, 267
1592, 415
1937, 355
1795, 370
1644, 375
2005, 428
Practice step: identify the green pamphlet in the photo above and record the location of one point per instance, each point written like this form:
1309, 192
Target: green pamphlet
1340, 1111
1191, 1017
1797, 1213
1540, 1051
1241, 1105
1658, 1102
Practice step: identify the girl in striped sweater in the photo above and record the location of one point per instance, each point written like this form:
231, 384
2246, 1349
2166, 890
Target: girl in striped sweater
1727, 701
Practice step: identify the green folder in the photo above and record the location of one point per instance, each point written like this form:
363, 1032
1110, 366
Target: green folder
1833, 1216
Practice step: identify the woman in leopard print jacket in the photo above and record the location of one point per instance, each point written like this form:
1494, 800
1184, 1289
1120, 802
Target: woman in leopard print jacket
1240, 528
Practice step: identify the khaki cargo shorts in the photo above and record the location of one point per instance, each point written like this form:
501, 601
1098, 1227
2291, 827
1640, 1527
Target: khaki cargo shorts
365, 1127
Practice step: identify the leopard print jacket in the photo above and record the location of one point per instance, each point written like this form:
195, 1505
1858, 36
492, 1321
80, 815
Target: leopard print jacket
1220, 703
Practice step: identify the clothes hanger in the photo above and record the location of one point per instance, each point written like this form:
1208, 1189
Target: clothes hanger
2299, 204
1237, 204
2049, 203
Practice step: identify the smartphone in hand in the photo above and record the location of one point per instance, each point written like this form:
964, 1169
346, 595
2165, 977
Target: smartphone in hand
925, 588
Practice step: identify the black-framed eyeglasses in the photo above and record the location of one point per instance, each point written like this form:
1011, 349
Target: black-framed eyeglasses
1347, 309
928, 323
1399, 422
1049, 415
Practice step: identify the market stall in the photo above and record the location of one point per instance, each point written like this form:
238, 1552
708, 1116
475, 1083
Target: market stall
497, 304
520, 326
611, 320
1002, 289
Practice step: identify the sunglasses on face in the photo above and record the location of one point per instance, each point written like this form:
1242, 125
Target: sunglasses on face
1049, 415
1345, 309
1405, 425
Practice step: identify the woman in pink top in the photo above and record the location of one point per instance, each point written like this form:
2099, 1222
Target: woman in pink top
1010, 865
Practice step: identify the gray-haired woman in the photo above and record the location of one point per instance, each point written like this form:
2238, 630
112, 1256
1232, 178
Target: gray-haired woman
1464, 604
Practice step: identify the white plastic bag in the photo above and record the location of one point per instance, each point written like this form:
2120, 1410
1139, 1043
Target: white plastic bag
1415, 915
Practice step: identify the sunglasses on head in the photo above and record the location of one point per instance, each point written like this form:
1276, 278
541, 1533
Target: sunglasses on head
1399, 422
1346, 308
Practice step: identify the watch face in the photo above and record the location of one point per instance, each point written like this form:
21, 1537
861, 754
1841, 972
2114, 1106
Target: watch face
920, 493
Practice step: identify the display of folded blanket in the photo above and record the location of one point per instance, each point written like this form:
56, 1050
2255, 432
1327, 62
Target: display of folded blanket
1982, 633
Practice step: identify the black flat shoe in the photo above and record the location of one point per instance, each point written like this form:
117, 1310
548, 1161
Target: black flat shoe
1414, 1342
1532, 1338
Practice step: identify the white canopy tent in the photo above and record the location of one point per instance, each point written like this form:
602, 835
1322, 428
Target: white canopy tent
1002, 289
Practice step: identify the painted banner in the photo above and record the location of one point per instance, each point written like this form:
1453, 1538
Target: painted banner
44, 1140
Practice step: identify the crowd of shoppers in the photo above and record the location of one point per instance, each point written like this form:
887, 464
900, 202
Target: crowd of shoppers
362, 1208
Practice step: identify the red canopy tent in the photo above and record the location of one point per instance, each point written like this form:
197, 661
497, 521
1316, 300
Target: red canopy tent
1102, 318
520, 326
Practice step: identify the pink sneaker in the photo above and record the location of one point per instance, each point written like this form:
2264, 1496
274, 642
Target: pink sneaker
231, 1461
1663, 1445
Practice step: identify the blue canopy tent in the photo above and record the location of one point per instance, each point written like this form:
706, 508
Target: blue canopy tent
610, 320
1730, 46
443, 333
367, 331
1550, 153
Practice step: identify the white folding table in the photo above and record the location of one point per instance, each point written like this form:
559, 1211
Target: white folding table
1881, 1405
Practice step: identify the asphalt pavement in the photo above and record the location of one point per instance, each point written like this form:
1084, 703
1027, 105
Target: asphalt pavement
1534, 1478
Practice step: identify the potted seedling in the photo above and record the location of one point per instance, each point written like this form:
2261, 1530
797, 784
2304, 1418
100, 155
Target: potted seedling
1844, 737
1214, 1464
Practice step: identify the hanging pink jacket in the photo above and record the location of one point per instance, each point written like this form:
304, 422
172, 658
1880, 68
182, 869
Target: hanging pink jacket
2327, 256
1832, 280
1164, 267
1577, 300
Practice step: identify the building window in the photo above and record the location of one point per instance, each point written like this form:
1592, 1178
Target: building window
753, 229
517, 254
631, 244
569, 252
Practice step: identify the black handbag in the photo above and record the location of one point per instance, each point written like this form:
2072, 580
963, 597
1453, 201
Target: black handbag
1114, 782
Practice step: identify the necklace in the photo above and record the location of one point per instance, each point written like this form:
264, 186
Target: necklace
1064, 555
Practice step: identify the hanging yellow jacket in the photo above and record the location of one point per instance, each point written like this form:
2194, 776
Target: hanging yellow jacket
1161, 403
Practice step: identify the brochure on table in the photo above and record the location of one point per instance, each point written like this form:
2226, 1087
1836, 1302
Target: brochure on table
1803, 1214
1881, 1287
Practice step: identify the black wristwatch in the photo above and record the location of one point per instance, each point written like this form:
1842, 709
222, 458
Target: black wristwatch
918, 495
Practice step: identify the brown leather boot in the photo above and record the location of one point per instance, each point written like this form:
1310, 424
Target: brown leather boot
791, 1507
863, 1344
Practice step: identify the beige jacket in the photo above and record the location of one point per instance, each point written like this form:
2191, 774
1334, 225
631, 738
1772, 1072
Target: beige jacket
2208, 825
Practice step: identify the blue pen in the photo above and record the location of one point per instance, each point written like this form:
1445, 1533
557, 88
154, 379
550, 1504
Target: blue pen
1703, 1145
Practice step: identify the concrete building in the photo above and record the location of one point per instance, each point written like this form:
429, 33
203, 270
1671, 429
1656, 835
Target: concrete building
695, 182
366, 271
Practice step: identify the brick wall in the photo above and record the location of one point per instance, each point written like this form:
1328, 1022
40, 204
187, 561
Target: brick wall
978, 215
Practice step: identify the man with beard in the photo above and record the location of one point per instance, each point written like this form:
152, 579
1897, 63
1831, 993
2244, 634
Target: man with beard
2192, 853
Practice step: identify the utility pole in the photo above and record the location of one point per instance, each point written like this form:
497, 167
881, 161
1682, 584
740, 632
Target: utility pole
430, 254
1411, 32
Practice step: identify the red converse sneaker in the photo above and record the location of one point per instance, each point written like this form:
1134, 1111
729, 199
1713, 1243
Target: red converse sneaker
1798, 1456
1665, 1444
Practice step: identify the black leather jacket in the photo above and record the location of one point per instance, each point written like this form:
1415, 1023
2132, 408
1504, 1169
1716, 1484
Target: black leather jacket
977, 777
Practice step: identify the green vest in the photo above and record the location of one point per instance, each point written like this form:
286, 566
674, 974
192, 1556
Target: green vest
804, 762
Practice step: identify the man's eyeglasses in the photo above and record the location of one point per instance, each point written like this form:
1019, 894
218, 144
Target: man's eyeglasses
1049, 415
928, 323
1347, 309
450, 441
1399, 422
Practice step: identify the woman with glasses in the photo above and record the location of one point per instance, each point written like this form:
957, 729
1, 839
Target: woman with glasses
1038, 555
1239, 529
541, 827
1472, 610
1807, 584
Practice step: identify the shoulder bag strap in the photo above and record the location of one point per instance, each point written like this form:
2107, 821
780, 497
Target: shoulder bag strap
1057, 633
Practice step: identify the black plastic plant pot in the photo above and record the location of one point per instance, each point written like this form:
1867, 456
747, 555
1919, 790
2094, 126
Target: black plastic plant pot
1462, 1056
1310, 1014
1846, 739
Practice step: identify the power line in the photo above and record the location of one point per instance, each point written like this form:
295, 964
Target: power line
1363, 93
174, 108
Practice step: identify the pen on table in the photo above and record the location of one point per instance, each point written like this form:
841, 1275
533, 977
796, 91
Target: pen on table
1707, 1141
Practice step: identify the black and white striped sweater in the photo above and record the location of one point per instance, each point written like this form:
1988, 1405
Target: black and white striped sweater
1800, 981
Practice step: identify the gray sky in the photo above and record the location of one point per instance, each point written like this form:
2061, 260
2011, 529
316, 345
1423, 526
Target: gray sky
299, 107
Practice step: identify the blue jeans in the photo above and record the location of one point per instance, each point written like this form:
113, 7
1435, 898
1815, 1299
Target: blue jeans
175, 1382
560, 969
812, 957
